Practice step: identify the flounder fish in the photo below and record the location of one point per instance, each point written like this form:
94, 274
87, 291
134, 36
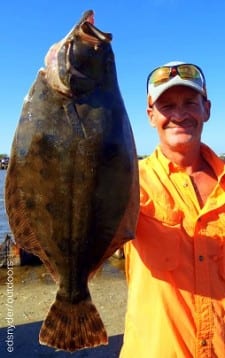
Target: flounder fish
72, 193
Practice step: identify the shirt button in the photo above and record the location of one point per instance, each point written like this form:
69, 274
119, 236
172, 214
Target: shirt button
203, 343
201, 258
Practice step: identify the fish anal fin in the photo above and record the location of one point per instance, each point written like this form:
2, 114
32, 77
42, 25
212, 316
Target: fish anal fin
22, 228
71, 327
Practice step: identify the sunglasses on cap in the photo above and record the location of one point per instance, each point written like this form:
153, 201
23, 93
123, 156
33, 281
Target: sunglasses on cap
185, 71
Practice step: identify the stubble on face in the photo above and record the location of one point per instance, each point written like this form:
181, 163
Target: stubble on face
179, 115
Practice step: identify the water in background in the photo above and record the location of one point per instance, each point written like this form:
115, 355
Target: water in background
4, 225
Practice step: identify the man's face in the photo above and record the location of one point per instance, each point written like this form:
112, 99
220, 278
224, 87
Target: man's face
179, 115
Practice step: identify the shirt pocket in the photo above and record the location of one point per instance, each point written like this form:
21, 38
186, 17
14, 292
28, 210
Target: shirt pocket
158, 243
221, 257
216, 246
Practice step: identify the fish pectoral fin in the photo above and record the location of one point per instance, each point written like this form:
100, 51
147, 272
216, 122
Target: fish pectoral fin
71, 327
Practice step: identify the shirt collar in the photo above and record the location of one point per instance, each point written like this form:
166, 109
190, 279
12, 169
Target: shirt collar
210, 156
167, 164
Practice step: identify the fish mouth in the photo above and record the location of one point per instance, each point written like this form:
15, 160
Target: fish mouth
90, 33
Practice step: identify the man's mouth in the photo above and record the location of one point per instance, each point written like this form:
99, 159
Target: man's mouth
181, 124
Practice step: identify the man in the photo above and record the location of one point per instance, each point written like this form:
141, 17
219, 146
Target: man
176, 265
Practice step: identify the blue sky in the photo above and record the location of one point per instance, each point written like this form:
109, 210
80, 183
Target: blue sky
146, 34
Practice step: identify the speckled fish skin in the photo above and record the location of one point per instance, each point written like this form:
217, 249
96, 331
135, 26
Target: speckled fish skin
72, 193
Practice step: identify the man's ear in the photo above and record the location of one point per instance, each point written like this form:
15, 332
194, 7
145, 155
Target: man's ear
151, 116
207, 105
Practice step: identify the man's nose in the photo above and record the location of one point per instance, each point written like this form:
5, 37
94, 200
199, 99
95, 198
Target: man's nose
178, 115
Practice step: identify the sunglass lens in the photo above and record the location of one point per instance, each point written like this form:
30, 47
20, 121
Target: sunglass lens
160, 75
188, 71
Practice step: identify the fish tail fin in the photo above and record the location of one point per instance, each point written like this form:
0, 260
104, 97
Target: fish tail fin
71, 327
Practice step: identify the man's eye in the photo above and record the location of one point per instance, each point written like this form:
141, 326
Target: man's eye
166, 106
191, 102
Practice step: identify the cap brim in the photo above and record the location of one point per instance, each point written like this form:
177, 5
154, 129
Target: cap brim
155, 92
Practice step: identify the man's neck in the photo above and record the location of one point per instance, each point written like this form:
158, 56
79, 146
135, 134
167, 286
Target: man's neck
190, 160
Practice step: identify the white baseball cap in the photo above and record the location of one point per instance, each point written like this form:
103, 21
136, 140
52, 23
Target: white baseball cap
178, 73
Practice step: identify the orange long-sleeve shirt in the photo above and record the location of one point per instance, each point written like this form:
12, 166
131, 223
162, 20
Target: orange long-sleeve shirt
176, 266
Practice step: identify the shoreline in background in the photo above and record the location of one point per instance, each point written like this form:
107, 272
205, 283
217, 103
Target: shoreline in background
4, 225
26, 303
